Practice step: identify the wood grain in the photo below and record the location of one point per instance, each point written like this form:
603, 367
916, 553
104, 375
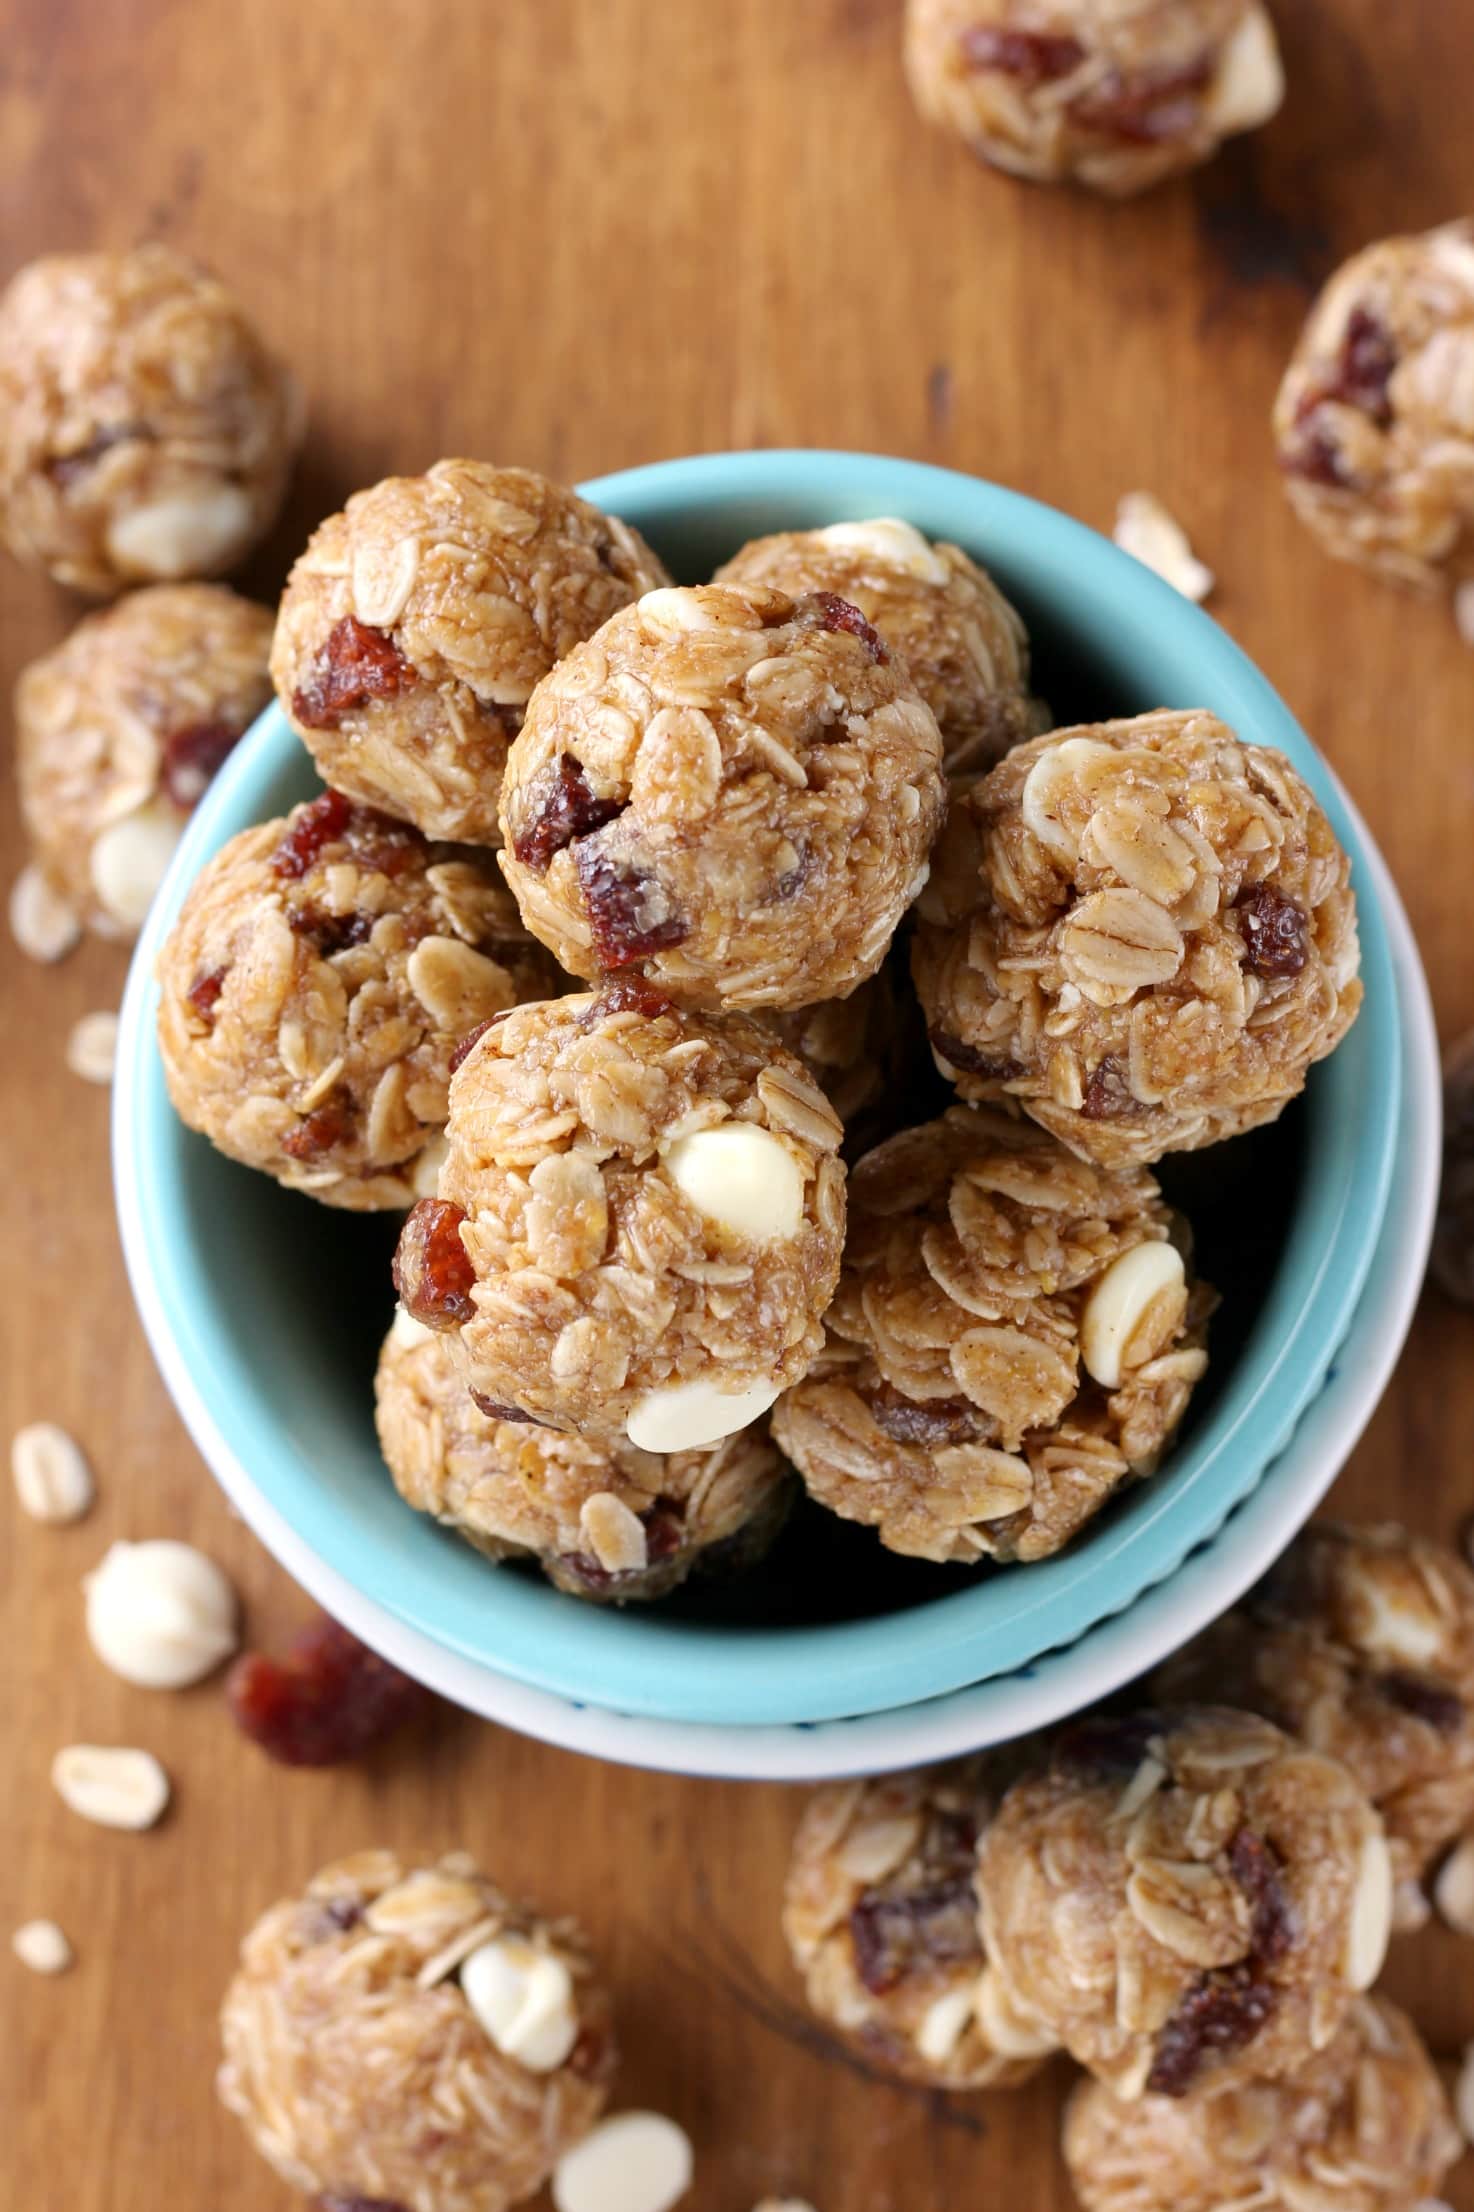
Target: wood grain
578, 236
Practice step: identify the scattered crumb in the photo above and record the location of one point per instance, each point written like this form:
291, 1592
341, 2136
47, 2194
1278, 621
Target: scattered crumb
42, 924
52, 1478
92, 1047
1146, 530
43, 1947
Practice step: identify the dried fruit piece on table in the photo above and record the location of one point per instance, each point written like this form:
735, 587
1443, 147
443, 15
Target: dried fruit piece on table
326, 1700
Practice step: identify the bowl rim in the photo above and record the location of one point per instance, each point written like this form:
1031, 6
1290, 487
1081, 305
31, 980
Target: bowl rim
751, 1676
1104, 1658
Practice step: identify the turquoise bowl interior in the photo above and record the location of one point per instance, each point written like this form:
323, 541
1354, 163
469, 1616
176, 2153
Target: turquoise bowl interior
273, 1307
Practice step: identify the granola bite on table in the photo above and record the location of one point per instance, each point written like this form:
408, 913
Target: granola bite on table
416, 624
1374, 421
966, 647
403, 2036
734, 792
1014, 1336
146, 434
1185, 1898
1114, 94
1364, 2126
1141, 932
315, 986
119, 730
639, 1220
610, 1523
881, 1916
1360, 1642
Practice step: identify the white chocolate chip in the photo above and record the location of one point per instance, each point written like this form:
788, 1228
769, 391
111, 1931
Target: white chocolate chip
42, 1946
1003, 2029
1464, 2095
406, 1332
1453, 1888
41, 922
110, 1785
192, 534
942, 2025
1131, 1311
1250, 82
92, 1047
1052, 773
894, 543
614, 1534
1464, 609
742, 1178
524, 1998
686, 1416
49, 1468
1151, 535
160, 1614
131, 858
634, 2162
1370, 1921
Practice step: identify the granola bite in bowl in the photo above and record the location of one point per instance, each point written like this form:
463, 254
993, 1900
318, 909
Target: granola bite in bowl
416, 625
834, 1651
404, 2034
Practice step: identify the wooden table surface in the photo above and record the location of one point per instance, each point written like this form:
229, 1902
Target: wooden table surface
578, 234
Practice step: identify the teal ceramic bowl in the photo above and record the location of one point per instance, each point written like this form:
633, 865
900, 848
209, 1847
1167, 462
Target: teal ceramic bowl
266, 1311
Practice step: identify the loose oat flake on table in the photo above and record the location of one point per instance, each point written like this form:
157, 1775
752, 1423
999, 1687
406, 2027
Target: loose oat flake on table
111, 1785
731, 792
52, 1477
609, 1523
1185, 1898
1113, 94
965, 645
418, 622
119, 731
638, 1223
1360, 1642
1363, 2126
1150, 534
314, 988
1374, 422
1014, 1336
404, 2034
881, 1915
146, 434
1141, 932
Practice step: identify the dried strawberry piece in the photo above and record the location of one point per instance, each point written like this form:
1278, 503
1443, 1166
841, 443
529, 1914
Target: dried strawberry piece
1433, 1702
317, 1132
626, 910
356, 664
204, 993
1364, 371
829, 612
191, 758
1316, 456
432, 1268
1034, 57
926, 1420
473, 1037
968, 1060
1108, 1096
496, 1411
631, 994
327, 1700
329, 933
1145, 106
1221, 2013
1276, 934
564, 808
313, 828
592, 2057
1256, 1867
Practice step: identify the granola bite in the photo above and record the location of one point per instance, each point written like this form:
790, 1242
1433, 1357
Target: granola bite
609, 1523
733, 792
881, 1916
1364, 2126
1141, 932
1015, 1335
402, 2035
1113, 94
1374, 422
417, 622
146, 434
314, 989
1185, 1898
1359, 1641
966, 647
639, 1220
120, 729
